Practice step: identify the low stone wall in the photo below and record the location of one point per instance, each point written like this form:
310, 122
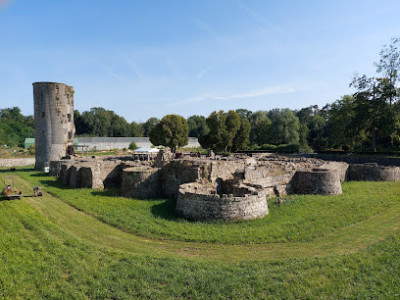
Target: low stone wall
198, 204
141, 182
354, 159
373, 172
16, 162
90, 173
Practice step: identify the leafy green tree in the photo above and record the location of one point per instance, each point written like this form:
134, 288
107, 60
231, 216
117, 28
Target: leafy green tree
303, 142
15, 127
135, 129
341, 114
232, 123
172, 131
375, 117
223, 128
197, 126
149, 125
101, 122
260, 128
306, 114
316, 137
285, 127
119, 126
244, 113
241, 141
389, 63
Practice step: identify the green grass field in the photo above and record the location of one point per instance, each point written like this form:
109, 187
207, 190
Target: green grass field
77, 244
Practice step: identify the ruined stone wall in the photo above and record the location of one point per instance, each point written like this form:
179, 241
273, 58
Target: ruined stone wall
373, 172
90, 173
141, 182
196, 205
54, 121
354, 159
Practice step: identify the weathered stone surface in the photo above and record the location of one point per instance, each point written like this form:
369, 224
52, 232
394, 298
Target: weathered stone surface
373, 172
201, 202
178, 172
141, 182
316, 182
74, 177
340, 167
164, 156
91, 173
54, 121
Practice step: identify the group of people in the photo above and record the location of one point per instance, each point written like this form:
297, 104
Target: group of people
195, 154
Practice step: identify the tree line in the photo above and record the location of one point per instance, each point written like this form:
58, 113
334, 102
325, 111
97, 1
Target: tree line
367, 120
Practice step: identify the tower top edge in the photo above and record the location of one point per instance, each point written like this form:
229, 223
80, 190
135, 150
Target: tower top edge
49, 82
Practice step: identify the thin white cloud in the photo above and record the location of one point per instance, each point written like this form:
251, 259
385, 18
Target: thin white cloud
282, 89
112, 73
262, 20
211, 31
131, 63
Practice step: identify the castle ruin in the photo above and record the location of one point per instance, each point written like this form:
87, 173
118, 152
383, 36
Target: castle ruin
205, 188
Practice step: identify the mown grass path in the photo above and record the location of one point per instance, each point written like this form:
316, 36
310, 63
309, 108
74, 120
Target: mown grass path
51, 250
80, 225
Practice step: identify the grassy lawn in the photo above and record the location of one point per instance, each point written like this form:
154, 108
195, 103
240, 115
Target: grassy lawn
16, 153
300, 219
49, 249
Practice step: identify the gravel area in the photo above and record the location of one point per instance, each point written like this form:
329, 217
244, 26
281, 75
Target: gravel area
16, 162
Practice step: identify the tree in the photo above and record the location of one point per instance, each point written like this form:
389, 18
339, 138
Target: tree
149, 125
316, 135
172, 131
375, 118
341, 113
135, 129
119, 126
389, 63
244, 113
133, 146
15, 127
197, 126
223, 128
306, 114
241, 140
260, 128
303, 134
285, 127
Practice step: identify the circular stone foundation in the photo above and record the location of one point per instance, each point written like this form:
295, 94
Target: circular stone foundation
317, 182
201, 202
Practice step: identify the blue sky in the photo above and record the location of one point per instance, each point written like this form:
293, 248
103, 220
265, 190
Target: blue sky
152, 58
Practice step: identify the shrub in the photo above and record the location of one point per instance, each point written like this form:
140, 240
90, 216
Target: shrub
132, 146
31, 149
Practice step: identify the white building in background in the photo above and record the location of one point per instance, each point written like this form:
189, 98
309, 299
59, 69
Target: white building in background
110, 143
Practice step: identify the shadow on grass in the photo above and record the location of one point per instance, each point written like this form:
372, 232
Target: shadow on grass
165, 210
113, 192
52, 183
17, 169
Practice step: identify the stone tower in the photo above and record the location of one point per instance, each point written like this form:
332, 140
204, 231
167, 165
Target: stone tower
54, 121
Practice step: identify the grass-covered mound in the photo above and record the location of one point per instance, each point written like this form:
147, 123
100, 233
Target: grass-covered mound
301, 218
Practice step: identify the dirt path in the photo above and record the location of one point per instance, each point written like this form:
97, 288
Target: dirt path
82, 226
